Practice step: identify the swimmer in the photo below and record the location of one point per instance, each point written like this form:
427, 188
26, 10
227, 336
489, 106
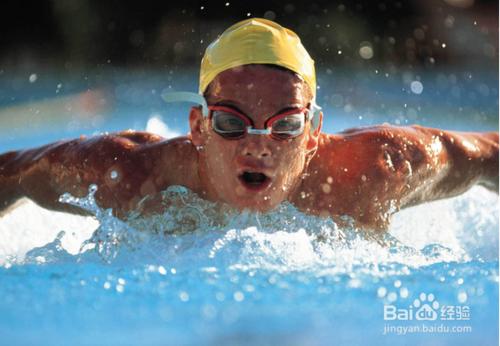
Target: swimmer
255, 141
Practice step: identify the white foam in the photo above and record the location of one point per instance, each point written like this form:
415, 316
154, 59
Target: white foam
157, 126
285, 240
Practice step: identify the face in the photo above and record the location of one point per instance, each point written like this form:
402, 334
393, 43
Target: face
255, 172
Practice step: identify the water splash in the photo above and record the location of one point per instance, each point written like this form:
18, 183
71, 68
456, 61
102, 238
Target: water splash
111, 233
186, 229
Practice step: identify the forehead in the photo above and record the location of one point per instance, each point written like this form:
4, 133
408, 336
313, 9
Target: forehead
262, 86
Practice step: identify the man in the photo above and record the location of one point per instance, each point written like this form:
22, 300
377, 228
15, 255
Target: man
255, 143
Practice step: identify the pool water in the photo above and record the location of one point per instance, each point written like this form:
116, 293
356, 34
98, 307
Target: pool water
203, 274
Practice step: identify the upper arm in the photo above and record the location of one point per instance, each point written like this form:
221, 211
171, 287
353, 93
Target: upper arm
369, 173
446, 163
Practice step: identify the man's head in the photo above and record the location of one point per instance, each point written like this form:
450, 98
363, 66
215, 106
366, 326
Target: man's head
249, 170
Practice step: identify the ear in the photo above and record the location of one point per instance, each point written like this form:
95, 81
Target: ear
312, 142
196, 122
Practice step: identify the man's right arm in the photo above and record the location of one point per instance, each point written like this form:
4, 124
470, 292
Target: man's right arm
115, 163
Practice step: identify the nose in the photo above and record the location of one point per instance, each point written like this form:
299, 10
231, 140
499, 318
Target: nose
255, 147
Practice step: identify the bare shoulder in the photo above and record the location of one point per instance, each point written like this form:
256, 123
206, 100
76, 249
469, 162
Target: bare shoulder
152, 161
366, 172
126, 167
380, 148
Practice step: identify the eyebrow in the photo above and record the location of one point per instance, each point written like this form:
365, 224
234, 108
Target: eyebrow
232, 104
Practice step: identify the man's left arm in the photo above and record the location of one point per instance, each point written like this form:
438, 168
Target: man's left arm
459, 161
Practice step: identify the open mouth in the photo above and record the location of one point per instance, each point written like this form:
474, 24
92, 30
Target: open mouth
254, 180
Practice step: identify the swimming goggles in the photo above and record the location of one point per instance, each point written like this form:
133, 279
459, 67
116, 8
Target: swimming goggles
230, 123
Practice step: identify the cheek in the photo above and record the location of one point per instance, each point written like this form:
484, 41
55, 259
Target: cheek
219, 155
292, 160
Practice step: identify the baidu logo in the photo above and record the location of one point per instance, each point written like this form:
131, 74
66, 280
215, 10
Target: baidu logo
424, 308
427, 307
424, 313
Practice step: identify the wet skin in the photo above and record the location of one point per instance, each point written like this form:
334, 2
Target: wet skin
364, 173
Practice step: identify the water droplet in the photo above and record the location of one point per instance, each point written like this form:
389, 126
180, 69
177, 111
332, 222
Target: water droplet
462, 297
403, 292
33, 77
183, 296
416, 87
391, 297
238, 296
92, 189
381, 292
366, 50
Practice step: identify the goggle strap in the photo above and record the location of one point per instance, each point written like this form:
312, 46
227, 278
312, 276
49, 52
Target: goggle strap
185, 96
314, 115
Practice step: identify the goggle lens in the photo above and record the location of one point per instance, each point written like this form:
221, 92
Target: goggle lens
289, 126
228, 125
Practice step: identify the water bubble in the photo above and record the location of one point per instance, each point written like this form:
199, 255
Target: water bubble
92, 188
366, 50
107, 285
462, 297
403, 292
397, 283
270, 15
391, 297
449, 21
238, 296
249, 288
381, 292
326, 188
183, 296
162, 270
416, 87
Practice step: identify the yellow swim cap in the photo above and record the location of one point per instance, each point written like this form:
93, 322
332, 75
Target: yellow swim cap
257, 41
